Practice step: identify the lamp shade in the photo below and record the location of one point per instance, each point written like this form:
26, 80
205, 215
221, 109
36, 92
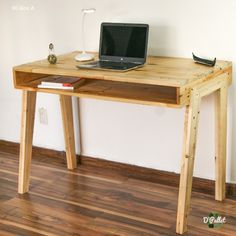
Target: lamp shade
88, 10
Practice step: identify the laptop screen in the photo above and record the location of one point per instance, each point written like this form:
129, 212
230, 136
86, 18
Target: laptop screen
123, 42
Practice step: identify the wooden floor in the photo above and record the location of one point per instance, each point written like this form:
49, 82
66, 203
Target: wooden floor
92, 202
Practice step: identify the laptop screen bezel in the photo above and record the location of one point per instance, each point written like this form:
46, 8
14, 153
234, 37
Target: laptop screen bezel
118, 58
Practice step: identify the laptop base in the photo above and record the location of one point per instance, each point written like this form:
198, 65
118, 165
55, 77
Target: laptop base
110, 65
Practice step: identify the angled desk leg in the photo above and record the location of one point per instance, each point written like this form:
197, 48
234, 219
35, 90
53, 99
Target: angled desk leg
189, 146
68, 125
80, 126
27, 127
221, 137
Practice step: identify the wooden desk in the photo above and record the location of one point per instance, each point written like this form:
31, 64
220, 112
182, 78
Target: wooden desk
170, 82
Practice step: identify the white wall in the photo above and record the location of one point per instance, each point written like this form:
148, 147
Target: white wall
136, 134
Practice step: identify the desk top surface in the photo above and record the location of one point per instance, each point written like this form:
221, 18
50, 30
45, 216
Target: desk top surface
166, 71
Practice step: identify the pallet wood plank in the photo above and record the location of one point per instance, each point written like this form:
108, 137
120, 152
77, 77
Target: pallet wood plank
167, 71
187, 165
220, 141
27, 127
68, 126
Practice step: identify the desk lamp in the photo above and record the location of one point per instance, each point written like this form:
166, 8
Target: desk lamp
85, 56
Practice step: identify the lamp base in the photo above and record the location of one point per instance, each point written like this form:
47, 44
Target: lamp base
84, 57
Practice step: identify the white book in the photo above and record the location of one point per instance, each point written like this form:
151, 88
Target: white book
61, 82
52, 84
55, 87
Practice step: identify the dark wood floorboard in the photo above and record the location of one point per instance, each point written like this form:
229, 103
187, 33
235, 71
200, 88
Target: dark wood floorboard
92, 201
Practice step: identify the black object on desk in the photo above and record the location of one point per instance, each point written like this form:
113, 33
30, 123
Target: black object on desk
204, 61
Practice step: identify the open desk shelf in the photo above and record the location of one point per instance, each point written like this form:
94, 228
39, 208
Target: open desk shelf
112, 90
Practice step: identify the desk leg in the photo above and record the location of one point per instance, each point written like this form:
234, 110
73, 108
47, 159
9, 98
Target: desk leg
221, 136
80, 127
185, 186
68, 125
27, 127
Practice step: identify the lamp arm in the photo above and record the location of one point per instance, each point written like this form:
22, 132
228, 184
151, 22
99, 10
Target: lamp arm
83, 32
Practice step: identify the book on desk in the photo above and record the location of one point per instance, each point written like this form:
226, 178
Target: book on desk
61, 82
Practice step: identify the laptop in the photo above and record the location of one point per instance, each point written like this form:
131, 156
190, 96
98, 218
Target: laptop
122, 47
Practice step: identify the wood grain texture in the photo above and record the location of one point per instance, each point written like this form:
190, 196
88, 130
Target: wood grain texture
187, 163
200, 185
79, 125
167, 71
114, 91
97, 201
219, 83
27, 127
68, 126
220, 143
163, 81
